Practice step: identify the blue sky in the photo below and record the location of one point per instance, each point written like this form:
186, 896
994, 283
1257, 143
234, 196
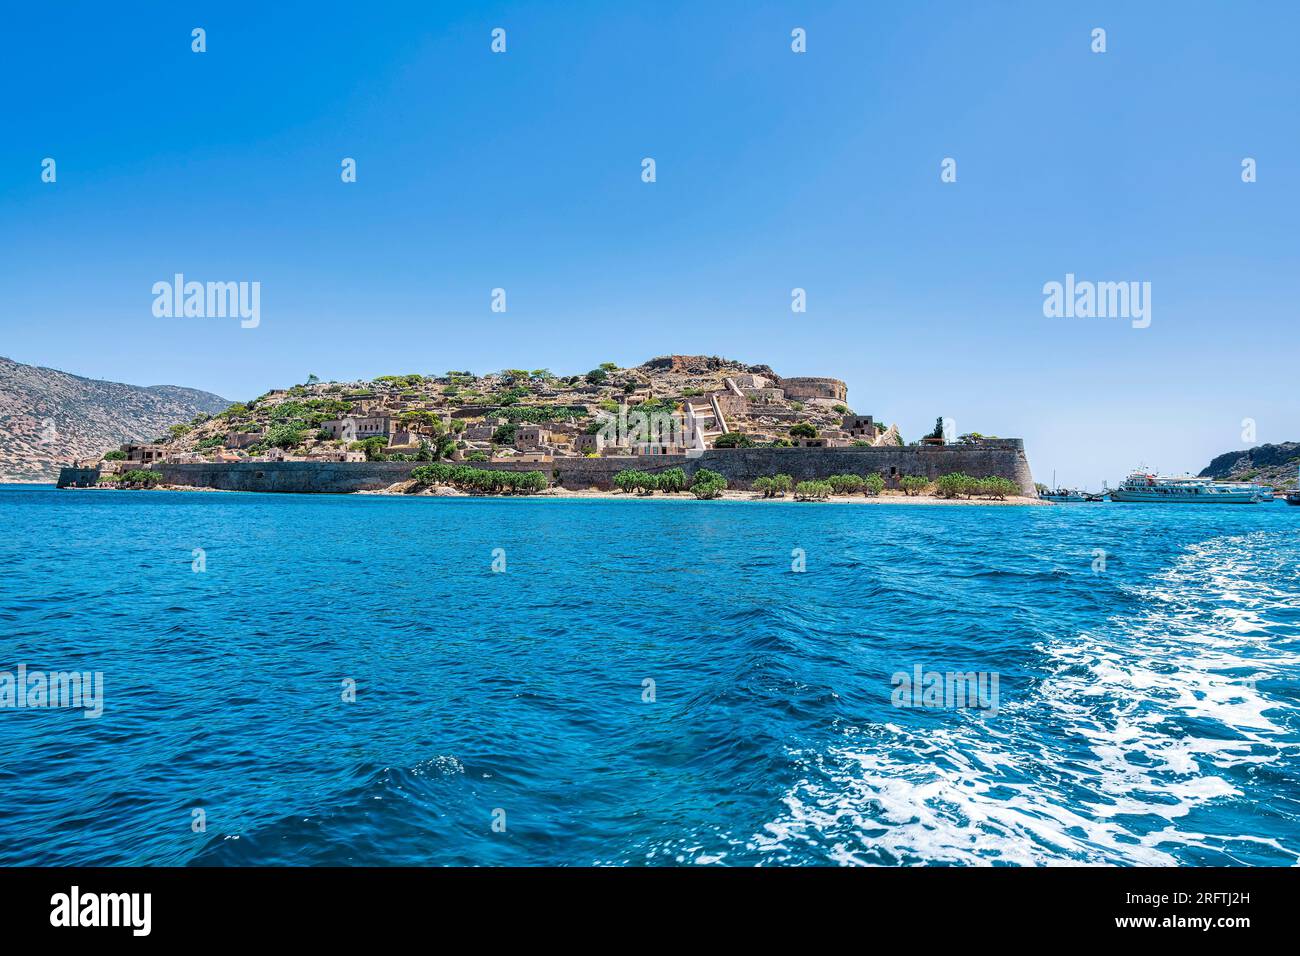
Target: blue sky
775, 171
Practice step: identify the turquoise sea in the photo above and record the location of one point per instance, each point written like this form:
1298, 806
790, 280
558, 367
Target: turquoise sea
647, 682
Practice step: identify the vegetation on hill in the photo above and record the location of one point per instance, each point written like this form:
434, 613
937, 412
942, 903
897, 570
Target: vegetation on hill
438, 410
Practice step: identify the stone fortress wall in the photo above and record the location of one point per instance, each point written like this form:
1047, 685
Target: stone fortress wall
1004, 458
802, 389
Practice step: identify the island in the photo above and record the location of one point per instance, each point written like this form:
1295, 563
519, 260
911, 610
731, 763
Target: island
693, 425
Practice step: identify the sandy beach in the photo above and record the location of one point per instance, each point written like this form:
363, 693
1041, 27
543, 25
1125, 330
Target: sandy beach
888, 498
410, 490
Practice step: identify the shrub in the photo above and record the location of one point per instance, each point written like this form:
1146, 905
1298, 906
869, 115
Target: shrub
373, 447
995, 487
954, 484
845, 484
812, 490
624, 480
436, 474
913, 484
482, 480
707, 484
139, 478
733, 440
288, 435
803, 430
873, 484
774, 486
477, 456
115, 455
630, 479
672, 479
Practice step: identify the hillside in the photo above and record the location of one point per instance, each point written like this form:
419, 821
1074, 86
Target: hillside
1268, 464
518, 412
48, 417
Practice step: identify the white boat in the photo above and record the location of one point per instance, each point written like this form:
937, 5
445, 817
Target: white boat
1266, 492
1063, 494
1184, 490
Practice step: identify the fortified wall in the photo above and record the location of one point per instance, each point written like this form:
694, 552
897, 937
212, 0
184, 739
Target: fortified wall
72, 477
809, 388
1003, 458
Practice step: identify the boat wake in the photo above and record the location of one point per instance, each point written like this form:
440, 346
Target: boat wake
1113, 754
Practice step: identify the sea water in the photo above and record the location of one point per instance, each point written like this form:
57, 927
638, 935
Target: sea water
383, 680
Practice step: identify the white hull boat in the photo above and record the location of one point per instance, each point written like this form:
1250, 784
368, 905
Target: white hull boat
1186, 490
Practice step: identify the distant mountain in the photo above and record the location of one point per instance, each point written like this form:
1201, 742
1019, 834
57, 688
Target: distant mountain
48, 417
1268, 464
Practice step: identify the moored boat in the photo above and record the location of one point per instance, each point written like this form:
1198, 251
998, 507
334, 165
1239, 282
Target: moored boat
1150, 488
1063, 494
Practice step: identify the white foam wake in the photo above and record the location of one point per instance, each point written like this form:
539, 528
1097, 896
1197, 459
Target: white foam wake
1126, 734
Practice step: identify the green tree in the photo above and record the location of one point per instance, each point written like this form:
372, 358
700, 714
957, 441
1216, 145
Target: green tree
374, 447
287, 435
913, 485
733, 440
672, 480
955, 484
846, 484
707, 484
803, 430
139, 478
812, 491
774, 486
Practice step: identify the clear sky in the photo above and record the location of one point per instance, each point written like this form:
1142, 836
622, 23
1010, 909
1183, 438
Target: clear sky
775, 170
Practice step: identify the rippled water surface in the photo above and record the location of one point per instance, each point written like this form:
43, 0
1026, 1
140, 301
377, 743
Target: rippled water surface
1146, 713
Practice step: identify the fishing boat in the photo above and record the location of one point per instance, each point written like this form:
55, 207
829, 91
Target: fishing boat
1293, 497
1184, 489
1063, 494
